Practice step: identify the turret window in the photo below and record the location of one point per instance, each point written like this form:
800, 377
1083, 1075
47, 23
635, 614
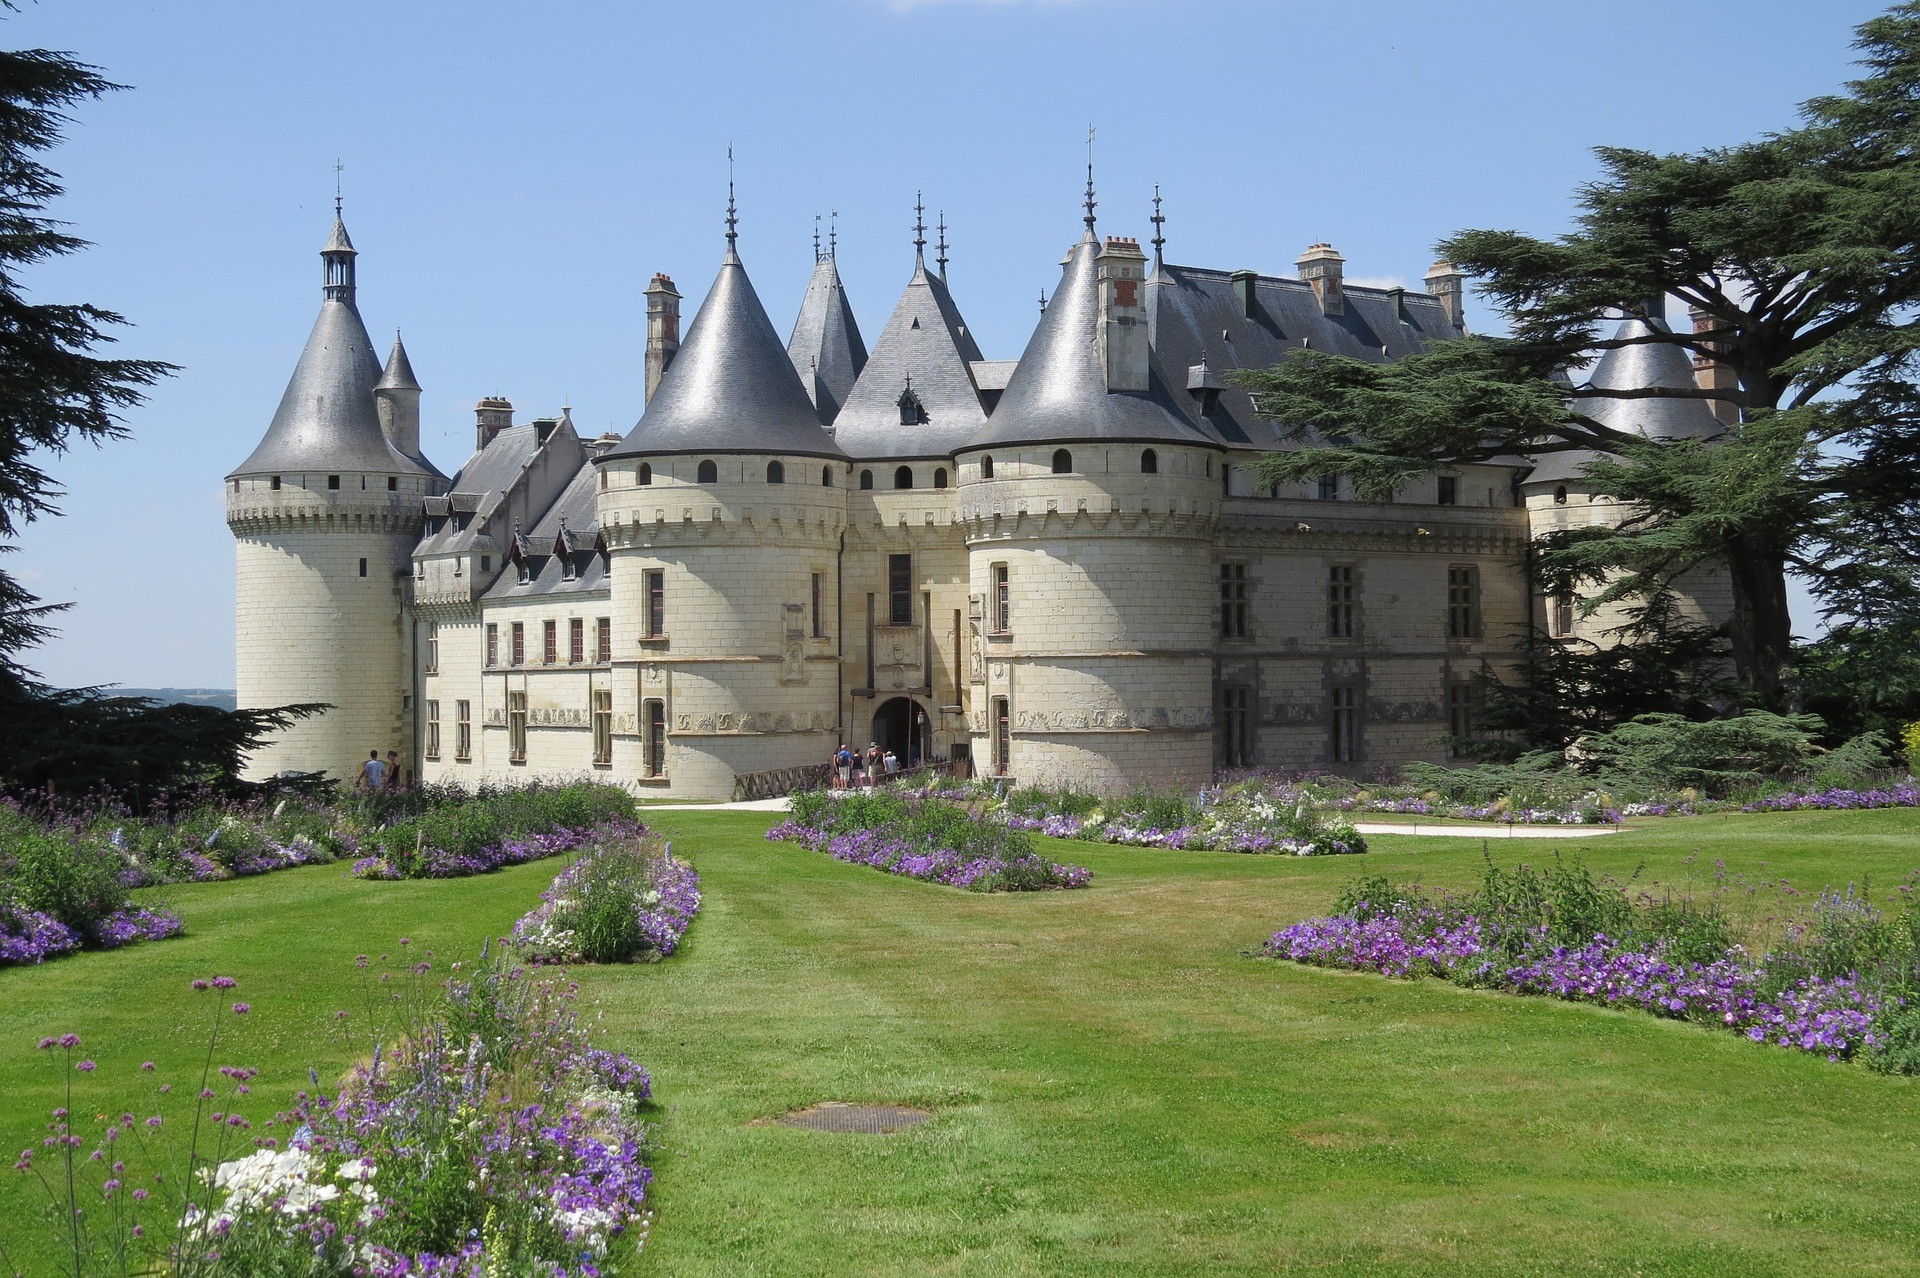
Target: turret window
1559, 495
333, 481
900, 590
1449, 493
363, 567
646, 474
903, 477
1062, 462
274, 483
656, 593
1149, 462
939, 476
776, 473
986, 468
709, 473
1328, 488
826, 476
866, 480
393, 483
1463, 602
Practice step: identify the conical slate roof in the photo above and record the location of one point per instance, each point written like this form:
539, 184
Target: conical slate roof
1059, 391
826, 348
326, 420
399, 370
731, 388
925, 346
1643, 367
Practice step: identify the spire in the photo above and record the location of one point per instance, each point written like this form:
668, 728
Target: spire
1043, 303
1654, 361
398, 374
338, 256
825, 345
733, 219
816, 239
919, 228
1159, 221
833, 234
941, 247
1091, 202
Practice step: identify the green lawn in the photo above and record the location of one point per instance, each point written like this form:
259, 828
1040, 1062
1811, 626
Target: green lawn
1118, 1089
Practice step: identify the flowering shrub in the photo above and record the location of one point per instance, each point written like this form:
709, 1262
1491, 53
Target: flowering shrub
933, 840
624, 898
490, 830
482, 1134
1844, 985
1245, 817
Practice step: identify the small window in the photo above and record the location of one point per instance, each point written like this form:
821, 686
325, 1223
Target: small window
1062, 462
603, 640
1449, 490
1328, 488
433, 647
549, 642
826, 476
603, 481
866, 480
655, 714
1002, 738
819, 622
986, 470
486, 563
656, 589
1226, 479
516, 724
518, 654
939, 476
1342, 605
1149, 462
459, 566
274, 483
709, 473
1236, 726
333, 481
576, 640
1344, 724
463, 730
903, 477
603, 726
646, 474
1463, 602
393, 483
900, 590
433, 729
363, 567
493, 644
1560, 495
1233, 601
1461, 704
1563, 614
776, 473
1002, 601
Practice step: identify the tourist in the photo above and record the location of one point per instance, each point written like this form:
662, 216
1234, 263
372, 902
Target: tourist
893, 763
873, 761
843, 766
393, 769
373, 773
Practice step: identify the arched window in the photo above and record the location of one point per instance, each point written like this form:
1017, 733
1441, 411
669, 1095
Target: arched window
1149, 462
776, 473
986, 470
826, 476
646, 473
939, 476
1560, 495
709, 473
866, 480
903, 477
1062, 462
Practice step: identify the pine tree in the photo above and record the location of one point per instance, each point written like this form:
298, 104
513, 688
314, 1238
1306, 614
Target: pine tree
1801, 250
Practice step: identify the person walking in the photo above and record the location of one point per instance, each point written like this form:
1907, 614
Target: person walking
843, 765
373, 773
873, 762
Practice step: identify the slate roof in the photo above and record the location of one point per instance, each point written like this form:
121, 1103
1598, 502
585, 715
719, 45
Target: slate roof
826, 348
327, 420
1196, 317
925, 342
1059, 392
731, 388
1652, 364
570, 518
478, 490
398, 374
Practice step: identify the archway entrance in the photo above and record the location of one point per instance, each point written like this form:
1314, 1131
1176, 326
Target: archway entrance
902, 726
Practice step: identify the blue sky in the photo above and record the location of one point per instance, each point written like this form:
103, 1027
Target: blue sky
515, 173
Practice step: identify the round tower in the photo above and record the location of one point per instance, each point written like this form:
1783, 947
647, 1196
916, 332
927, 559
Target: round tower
1089, 509
722, 511
325, 512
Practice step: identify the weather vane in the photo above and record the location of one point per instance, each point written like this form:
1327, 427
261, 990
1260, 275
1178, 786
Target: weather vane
337, 166
919, 227
1090, 200
733, 221
1159, 225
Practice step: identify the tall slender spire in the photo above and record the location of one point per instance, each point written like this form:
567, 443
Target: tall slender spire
919, 229
816, 239
1159, 221
833, 235
733, 219
1091, 202
941, 248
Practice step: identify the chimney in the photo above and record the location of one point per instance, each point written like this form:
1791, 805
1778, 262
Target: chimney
1121, 270
663, 330
492, 415
1243, 282
1321, 266
1447, 285
1713, 373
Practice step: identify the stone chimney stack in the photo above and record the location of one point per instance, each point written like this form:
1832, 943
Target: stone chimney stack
1322, 267
1448, 284
663, 329
1715, 374
1121, 270
492, 415
1243, 292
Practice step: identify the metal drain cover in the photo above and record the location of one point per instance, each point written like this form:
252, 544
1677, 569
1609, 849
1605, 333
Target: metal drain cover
838, 1116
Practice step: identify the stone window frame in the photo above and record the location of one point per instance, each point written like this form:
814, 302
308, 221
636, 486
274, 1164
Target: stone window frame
433, 729
1346, 719
576, 641
1239, 735
517, 726
550, 642
462, 731
517, 644
433, 647
1000, 600
602, 640
493, 645
1463, 704
1464, 613
653, 596
600, 704
653, 740
1234, 618
1343, 601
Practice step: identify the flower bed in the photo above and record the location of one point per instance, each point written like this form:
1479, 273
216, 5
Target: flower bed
625, 898
441, 863
932, 840
494, 829
1247, 817
482, 1133
1842, 987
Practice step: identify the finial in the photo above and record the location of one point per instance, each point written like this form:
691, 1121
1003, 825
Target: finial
733, 221
1159, 226
337, 166
919, 228
1090, 200
833, 235
941, 248
1043, 301
816, 239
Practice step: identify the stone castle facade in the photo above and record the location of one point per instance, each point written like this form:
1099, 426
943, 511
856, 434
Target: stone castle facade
1061, 567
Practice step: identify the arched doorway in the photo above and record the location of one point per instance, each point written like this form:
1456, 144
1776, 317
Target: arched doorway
902, 726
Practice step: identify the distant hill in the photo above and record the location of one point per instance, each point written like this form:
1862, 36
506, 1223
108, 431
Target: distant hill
225, 698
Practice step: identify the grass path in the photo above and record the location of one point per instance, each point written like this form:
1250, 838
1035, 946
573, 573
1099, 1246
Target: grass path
1118, 1089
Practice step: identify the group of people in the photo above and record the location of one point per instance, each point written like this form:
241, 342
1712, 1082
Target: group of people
851, 767
380, 774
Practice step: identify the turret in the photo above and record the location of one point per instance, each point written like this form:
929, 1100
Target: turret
397, 398
826, 347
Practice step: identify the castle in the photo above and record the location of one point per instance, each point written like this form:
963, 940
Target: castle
1062, 567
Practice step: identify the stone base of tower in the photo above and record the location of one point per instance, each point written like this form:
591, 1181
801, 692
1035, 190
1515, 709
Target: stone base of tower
1109, 763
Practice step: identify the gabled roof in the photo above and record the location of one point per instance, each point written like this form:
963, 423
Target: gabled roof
826, 348
487, 483
569, 522
327, 420
1059, 391
731, 389
1642, 367
925, 345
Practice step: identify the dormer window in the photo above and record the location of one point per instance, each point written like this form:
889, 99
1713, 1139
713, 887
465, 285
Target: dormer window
912, 411
486, 563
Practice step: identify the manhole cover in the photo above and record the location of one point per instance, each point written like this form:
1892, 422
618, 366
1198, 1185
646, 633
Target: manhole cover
838, 1116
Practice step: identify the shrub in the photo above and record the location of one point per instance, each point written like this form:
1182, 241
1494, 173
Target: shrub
625, 898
